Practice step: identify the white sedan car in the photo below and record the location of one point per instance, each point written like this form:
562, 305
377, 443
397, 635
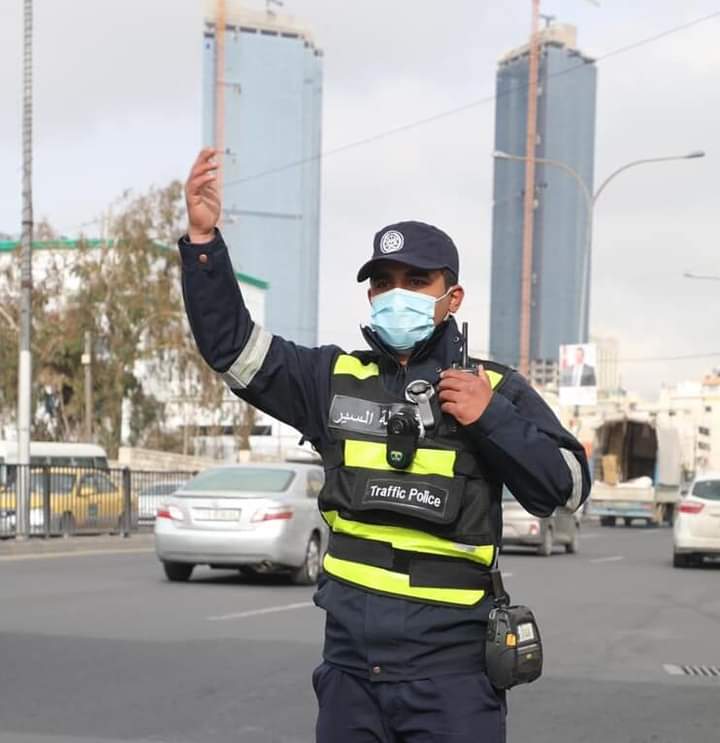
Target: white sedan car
697, 523
252, 518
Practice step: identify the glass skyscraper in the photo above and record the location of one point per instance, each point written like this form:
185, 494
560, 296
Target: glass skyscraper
272, 140
566, 133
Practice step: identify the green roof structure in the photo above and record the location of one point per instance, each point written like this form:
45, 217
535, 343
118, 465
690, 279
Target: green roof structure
8, 246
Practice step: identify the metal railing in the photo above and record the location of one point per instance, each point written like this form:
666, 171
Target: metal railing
84, 500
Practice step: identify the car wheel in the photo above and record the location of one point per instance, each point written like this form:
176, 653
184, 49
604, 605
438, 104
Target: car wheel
178, 571
572, 546
546, 547
607, 521
681, 560
628, 522
307, 573
67, 525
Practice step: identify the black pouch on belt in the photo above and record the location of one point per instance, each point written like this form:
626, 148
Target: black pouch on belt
513, 649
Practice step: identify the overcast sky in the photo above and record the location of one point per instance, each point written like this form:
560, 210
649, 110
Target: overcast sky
118, 105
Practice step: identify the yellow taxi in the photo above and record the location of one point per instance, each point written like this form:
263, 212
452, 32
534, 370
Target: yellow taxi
79, 500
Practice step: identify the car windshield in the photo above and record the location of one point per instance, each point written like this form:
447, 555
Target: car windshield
707, 489
238, 480
60, 482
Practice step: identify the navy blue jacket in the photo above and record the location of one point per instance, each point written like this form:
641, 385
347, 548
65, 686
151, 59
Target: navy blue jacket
518, 438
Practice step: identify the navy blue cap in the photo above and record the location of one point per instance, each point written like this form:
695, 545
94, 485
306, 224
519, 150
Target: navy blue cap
414, 243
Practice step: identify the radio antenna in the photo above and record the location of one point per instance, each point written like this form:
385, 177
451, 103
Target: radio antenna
465, 359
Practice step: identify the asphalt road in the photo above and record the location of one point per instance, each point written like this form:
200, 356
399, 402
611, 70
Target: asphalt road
99, 647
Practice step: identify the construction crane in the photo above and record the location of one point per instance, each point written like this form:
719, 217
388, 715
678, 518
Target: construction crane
529, 197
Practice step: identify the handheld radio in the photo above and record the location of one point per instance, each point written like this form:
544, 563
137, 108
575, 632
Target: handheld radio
465, 364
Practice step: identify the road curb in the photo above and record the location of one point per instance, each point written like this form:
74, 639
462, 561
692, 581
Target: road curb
75, 545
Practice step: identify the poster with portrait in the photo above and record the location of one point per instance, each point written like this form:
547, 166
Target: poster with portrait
578, 374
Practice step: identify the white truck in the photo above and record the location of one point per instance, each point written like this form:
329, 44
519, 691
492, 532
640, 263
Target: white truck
637, 470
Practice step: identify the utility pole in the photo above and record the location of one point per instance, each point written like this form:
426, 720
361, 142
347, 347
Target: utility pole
220, 23
87, 363
529, 200
24, 412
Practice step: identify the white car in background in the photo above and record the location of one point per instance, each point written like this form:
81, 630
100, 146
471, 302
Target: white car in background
696, 532
248, 517
522, 529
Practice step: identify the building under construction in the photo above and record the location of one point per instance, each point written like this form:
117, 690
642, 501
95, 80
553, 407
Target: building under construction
558, 311
262, 92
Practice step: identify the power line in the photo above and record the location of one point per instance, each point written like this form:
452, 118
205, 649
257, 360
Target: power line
470, 105
686, 357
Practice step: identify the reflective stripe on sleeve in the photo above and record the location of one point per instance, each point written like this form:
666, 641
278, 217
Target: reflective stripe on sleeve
398, 584
373, 456
573, 502
251, 358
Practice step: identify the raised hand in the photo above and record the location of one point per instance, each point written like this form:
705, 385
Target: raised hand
202, 197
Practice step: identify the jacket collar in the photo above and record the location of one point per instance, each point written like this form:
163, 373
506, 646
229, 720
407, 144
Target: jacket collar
443, 347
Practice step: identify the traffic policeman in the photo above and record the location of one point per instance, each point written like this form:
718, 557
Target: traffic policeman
416, 452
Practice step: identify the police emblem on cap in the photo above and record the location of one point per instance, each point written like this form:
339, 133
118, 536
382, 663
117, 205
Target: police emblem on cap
391, 242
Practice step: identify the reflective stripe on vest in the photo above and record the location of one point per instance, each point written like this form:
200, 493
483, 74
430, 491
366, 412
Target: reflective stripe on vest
351, 365
410, 540
373, 456
397, 584
494, 377
346, 364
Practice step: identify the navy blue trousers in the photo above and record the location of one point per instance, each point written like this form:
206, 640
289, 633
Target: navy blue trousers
445, 709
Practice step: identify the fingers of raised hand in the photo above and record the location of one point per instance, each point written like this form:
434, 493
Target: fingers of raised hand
204, 168
201, 183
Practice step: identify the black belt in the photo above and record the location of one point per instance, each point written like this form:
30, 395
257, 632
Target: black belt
425, 571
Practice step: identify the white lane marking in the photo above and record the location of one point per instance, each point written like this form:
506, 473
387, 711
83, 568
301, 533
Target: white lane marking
673, 670
259, 612
614, 558
80, 553
506, 575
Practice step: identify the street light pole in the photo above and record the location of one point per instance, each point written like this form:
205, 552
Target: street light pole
590, 201
24, 411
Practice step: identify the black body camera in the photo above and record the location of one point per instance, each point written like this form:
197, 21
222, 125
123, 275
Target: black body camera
403, 432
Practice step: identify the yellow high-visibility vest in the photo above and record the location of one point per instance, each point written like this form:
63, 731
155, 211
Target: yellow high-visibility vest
428, 532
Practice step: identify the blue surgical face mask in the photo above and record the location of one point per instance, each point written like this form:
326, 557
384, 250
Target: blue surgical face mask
403, 318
